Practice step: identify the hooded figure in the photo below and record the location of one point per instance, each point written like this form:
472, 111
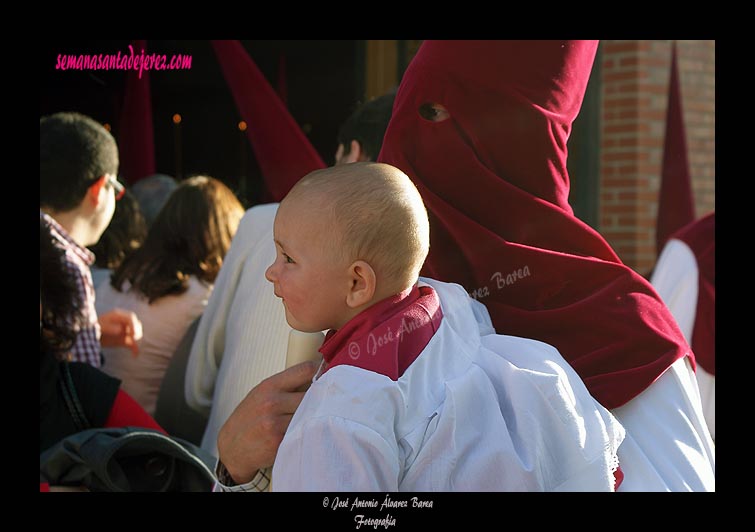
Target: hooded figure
685, 277
481, 128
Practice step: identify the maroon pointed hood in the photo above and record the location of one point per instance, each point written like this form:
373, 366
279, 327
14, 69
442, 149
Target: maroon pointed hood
676, 207
283, 152
494, 179
136, 142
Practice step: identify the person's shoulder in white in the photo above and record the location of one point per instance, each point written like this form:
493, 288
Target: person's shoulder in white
257, 223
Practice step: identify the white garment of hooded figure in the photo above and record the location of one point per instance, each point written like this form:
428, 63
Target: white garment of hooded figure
675, 278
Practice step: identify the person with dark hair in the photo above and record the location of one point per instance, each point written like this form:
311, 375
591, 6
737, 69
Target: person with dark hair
166, 282
124, 235
361, 135
78, 188
242, 338
151, 193
104, 403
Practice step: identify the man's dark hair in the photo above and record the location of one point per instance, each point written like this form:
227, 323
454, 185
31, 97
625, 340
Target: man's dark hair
367, 125
74, 150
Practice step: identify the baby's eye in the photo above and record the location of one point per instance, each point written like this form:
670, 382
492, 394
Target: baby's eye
289, 260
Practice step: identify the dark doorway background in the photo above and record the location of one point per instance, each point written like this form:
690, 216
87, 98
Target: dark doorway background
584, 151
323, 80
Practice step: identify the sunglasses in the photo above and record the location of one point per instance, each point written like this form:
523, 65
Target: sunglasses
120, 190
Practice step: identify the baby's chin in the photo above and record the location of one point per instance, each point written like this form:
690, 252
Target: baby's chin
299, 326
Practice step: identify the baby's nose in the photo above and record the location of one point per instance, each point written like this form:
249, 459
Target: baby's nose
270, 273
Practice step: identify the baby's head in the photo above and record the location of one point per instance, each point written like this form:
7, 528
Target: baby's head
346, 237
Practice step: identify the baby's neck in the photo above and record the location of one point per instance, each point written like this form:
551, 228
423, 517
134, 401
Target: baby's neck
379, 296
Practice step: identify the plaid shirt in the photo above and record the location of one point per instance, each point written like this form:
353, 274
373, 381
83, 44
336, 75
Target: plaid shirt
260, 482
78, 261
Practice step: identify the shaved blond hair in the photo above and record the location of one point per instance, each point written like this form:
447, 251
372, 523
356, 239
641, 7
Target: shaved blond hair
379, 218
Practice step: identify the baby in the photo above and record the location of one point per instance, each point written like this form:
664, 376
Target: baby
416, 391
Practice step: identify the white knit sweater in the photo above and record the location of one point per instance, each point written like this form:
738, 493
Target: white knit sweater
243, 334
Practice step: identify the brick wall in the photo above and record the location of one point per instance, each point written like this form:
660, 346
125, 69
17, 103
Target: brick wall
635, 77
697, 69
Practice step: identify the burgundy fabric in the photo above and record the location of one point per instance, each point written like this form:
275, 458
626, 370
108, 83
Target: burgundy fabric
136, 143
700, 236
282, 87
387, 337
675, 203
494, 179
126, 412
283, 152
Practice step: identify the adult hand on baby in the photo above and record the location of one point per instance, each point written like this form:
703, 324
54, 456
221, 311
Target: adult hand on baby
120, 328
249, 439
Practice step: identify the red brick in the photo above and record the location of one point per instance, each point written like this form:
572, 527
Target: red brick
624, 75
652, 114
640, 142
646, 195
629, 170
616, 47
649, 169
646, 250
631, 87
652, 88
705, 106
620, 155
630, 195
632, 113
629, 60
646, 222
656, 62
626, 101
621, 235
621, 208
623, 128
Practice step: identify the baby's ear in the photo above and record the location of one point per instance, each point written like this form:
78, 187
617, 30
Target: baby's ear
363, 282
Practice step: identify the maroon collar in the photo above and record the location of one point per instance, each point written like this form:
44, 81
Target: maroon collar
388, 336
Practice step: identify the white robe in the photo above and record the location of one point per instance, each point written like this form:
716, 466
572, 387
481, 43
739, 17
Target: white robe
242, 336
476, 411
667, 445
676, 279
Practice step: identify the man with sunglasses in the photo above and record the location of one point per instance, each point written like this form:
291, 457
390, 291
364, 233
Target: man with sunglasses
78, 188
